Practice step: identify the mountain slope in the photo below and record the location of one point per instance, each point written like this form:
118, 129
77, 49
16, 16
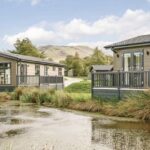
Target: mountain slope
58, 53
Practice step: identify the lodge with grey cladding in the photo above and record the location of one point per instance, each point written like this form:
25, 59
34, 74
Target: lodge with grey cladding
131, 69
20, 70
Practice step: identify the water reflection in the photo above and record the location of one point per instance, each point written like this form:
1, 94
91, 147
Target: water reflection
40, 126
121, 135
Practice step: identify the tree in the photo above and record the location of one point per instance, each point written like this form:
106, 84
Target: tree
98, 58
81, 66
25, 47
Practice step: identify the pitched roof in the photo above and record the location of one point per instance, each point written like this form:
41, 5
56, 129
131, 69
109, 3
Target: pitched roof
102, 67
139, 40
32, 59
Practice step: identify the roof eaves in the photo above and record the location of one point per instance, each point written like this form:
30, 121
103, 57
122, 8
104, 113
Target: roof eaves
31, 61
113, 46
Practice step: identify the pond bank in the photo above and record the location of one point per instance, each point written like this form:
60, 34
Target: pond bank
135, 106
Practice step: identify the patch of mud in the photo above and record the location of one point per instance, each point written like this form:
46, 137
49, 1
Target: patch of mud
13, 132
14, 121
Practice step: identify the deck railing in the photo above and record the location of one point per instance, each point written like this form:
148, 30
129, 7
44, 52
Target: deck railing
132, 79
33, 80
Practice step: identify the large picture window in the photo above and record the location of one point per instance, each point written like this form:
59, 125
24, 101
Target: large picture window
5, 73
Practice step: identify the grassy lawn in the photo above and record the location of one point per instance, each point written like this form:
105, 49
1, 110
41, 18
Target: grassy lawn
80, 87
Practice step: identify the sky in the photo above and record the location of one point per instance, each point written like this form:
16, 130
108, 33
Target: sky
72, 22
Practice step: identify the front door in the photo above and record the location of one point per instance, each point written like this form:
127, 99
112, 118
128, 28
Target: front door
133, 65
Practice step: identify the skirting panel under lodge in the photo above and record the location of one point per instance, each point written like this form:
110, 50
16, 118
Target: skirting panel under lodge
113, 93
6, 88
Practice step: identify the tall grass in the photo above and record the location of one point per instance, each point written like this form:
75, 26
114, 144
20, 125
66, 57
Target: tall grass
4, 96
137, 106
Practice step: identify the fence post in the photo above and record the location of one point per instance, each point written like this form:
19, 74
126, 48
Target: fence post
39, 80
56, 81
119, 96
92, 84
148, 83
62, 82
17, 82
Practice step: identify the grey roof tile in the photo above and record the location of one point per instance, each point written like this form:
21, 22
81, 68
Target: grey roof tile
29, 59
143, 39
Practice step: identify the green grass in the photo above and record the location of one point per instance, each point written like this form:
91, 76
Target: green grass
80, 87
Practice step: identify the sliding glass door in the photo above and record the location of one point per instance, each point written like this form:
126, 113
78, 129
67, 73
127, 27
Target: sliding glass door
133, 65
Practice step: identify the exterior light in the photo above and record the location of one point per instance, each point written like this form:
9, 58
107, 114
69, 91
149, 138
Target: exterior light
147, 52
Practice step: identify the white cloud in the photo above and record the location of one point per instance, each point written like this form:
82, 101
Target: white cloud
36, 34
109, 28
32, 2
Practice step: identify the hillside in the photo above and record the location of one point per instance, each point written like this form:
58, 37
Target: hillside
58, 53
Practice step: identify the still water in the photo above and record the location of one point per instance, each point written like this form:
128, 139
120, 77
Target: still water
41, 128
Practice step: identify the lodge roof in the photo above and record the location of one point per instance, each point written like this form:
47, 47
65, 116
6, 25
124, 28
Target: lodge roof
135, 41
31, 59
102, 67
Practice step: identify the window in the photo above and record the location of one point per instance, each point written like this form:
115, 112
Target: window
133, 61
138, 61
60, 71
127, 62
54, 68
5, 73
37, 69
46, 70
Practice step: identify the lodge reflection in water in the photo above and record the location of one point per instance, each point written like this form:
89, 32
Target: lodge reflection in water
121, 135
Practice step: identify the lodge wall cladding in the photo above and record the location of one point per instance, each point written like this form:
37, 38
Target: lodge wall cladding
13, 69
118, 57
31, 69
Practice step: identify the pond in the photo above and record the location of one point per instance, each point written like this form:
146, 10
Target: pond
42, 128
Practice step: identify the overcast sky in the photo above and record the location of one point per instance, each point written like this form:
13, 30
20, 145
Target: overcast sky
72, 22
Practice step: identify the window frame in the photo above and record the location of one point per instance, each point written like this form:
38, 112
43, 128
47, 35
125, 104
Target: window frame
37, 66
132, 65
46, 68
4, 69
54, 68
60, 73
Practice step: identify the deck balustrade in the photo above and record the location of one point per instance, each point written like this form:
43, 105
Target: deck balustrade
33, 80
132, 79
